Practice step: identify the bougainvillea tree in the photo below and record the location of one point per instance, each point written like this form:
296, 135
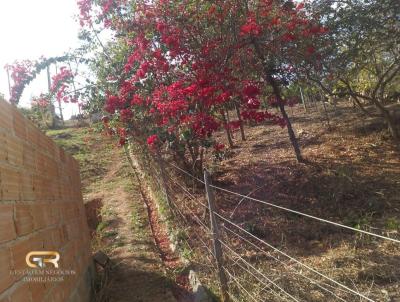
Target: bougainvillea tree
186, 63
61, 85
24, 72
174, 69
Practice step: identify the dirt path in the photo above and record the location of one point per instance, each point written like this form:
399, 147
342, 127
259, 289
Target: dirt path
138, 273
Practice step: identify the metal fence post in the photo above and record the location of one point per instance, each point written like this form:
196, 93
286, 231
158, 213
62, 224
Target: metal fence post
215, 234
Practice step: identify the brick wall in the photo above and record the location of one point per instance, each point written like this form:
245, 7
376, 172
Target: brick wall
41, 209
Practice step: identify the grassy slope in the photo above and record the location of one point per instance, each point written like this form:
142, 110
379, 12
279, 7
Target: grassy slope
90, 148
123, 232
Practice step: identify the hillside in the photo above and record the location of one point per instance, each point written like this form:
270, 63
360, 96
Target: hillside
118, 218
351, 177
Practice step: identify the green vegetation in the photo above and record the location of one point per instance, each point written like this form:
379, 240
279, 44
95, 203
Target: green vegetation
85, 144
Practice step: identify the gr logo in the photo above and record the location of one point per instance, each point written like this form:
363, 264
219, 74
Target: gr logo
39, 259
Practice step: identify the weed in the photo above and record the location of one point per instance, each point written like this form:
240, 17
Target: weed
392, 223
102, 225
186, 252
109, 234
119, 244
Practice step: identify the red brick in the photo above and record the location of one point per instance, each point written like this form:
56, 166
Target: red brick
6, 279
19, 124
41, 162
7, 229
54, 214
29, 157
10, 184
64, 234
38, 290
39, 214
21, 248
48, 243
5, 116
22, 293
57, 294
15, 147
57, 237
23, 219
27, 188
32, 135
3, 146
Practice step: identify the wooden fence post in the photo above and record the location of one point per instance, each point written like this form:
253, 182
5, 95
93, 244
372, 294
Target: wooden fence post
326, 112
303, 100
164, 180
215, 234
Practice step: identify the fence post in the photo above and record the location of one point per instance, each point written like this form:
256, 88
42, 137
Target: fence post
215, 234
164, 180
303, 100
326, 112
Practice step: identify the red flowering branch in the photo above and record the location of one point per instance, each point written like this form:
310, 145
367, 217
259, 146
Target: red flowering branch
24, 72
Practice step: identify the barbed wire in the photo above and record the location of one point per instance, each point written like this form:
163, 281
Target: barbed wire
236, 262
307, 215
340, 286
258, 271
295, 260
313, 281
287, 209
240, 285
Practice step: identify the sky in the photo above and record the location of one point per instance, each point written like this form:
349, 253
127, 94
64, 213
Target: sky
32, 28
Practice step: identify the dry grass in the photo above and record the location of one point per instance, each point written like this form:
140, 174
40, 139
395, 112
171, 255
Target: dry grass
352, 177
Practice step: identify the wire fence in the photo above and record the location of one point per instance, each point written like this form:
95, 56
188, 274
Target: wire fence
253, 268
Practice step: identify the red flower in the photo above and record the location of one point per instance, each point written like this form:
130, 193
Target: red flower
234, 125
253, 103
122, 141
126, 115
152, 140
137, 100
251, 90
310, 50
105, 119
300, 6
288, 37
250, 27
219, 147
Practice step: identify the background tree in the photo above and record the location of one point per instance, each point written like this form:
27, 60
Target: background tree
361, 54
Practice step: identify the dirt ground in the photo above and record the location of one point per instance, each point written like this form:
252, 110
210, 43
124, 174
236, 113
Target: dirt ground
352, 176
119, 221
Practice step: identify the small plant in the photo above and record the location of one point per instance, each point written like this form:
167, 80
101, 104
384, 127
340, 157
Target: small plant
102, 225
392, 223
109, 234
186, 253
181, 235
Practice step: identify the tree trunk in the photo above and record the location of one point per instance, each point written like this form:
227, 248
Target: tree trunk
270, 79
241, 122
52, 109
394, 132
326, 111
292, 136
61, 112
228, 131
